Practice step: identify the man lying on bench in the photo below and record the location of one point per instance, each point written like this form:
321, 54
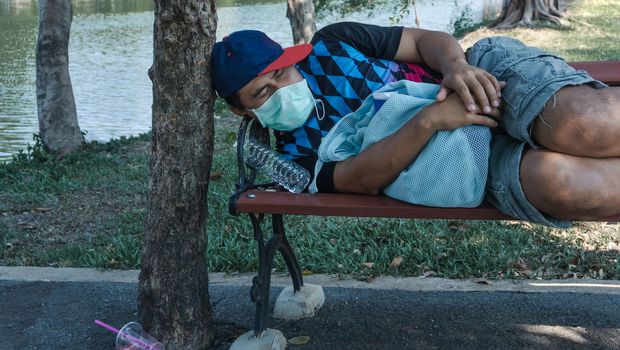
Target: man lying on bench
555, 153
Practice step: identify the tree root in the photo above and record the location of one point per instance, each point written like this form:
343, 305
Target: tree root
524, 13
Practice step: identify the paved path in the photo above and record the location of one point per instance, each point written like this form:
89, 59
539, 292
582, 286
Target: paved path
55, 309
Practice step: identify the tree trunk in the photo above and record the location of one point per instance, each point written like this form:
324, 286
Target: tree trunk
173, 298
526, 12
58, 124
301, 15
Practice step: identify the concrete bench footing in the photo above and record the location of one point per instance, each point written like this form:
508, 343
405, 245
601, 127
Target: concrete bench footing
269, 339
305, 303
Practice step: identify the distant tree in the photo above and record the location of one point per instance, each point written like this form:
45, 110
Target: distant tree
301, 15
347, 6
173, 293
58, 124
400, 8
526, 12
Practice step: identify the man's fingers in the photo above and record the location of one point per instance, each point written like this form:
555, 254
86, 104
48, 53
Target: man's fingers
483, 120
496, 84
492, 92
480, 93
463, 91
442, 94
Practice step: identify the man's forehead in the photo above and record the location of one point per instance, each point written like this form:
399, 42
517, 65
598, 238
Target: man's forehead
255, 84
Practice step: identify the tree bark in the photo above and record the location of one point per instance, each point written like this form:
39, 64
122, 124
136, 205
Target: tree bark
526, 12
301, 15
173, 298
58, 124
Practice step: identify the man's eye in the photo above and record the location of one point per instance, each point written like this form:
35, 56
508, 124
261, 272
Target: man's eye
262, 93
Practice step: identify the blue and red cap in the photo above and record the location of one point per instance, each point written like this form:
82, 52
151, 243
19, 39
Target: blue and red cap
246, 54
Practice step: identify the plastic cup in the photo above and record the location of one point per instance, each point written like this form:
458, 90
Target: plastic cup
133, 337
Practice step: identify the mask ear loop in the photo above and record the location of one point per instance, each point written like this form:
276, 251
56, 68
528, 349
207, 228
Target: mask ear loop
257, 118
317, 110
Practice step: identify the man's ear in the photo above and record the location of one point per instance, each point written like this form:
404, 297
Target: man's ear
238, 111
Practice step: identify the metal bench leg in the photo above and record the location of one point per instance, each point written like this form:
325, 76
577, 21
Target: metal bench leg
287, 252
261, 283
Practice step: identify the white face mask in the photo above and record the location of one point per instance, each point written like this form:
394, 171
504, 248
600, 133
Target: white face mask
288, 108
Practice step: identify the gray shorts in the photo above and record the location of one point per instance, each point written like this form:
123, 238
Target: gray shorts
533, 76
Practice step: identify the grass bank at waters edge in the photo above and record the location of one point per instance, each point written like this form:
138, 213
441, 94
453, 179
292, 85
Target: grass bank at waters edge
88, 210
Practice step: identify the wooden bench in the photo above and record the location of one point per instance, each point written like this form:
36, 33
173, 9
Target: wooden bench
258, 200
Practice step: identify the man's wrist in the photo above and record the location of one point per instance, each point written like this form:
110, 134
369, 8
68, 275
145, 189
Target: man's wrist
426, 120
451, 63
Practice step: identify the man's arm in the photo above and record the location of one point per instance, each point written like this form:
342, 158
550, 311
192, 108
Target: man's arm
379, 165
443, 53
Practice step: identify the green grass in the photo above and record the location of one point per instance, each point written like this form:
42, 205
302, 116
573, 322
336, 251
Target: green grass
88, 208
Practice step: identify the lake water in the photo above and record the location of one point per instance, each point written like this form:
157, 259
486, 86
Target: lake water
110, 51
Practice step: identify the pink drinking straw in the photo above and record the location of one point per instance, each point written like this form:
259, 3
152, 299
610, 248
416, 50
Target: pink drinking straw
107, 326
116, 331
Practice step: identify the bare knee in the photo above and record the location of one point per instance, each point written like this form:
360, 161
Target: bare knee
581, 121
546, 181
563, 186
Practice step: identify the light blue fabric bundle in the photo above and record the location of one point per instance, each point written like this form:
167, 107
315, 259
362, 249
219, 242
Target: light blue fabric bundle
451, 171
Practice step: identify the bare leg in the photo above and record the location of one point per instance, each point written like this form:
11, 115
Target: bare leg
569, 187
581, 121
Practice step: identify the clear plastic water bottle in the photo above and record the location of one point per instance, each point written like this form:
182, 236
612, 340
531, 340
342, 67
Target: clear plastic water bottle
285, 172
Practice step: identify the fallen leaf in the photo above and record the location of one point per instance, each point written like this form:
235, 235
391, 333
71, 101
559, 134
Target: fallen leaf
307, 272
299, 340
481, 281
396, 262
230, 137
523, 267
42, 209
368, 264
429, 273
216, 175
441, 256
27, 225
527, 225
457, 226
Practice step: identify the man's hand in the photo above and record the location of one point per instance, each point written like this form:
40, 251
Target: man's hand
379, 165
475, 86
451, 114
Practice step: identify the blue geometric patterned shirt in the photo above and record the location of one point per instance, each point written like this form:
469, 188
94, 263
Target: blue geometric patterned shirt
348, 62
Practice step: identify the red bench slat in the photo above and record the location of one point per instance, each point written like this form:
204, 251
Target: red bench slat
336, 204
607, 71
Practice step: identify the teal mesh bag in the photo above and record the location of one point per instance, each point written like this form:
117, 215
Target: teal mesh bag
451, 171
